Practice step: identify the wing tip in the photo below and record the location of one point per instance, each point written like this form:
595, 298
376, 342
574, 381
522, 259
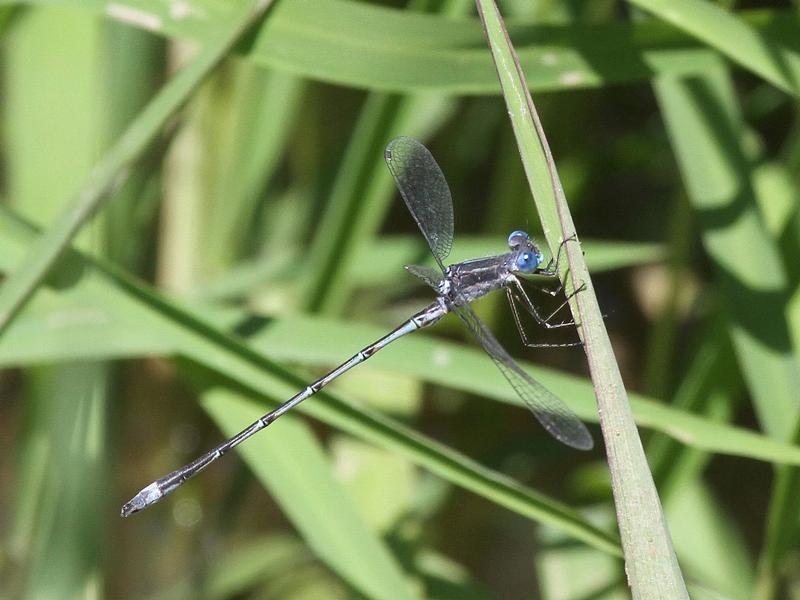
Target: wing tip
578, 438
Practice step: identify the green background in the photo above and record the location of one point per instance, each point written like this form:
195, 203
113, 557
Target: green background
265, 217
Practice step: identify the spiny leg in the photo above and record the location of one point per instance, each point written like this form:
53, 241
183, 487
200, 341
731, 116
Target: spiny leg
552, 267
524, 335
522, 296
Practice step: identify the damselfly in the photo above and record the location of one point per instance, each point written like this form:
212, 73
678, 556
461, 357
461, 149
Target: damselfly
427, 196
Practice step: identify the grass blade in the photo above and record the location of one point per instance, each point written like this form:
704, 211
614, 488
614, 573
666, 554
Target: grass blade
57, 542
358, 44
293, 467
192, 334
763, 55
651, 564
112, 170
705, 125
716, 172
106, 317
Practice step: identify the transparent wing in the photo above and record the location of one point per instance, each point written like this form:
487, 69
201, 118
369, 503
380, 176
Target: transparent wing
552, 413
424, 190
429, 275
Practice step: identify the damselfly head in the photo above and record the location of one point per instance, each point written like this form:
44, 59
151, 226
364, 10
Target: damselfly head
526, 256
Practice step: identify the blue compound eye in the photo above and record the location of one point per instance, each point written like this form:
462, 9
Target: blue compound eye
527, 262
517, 239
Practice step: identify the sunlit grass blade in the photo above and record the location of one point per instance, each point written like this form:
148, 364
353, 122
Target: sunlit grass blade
358, 44
392, 252
106, 317
362, 194
764, 55
133, 68
705, 127
101, 325
111, 171
293, 467
61, 485
754, 285
650, 561
192, 334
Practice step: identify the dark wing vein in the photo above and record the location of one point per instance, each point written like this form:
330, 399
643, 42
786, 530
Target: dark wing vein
431, 276
424, 190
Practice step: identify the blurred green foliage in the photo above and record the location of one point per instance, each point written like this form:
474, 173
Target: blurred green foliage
266, 220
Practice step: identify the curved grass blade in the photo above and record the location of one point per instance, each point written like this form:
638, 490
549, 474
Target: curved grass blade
372, 47
292, 466
764, 55
112, 170
103, 317
191, 333
705, 126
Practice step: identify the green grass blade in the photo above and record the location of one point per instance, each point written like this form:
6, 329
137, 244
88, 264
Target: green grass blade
112, 170
251, 112
708, 388
437, 458
781, 532
222, 160
133, 68
651, 565
362, 193
392, 252
711, 548
192, 335
358, 44
259, 564
293, 467
57, 540
705, 127
97, 325
105, 317
718, 557
63, 483
764, 55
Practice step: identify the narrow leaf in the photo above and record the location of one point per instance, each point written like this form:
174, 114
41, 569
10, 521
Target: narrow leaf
651, 564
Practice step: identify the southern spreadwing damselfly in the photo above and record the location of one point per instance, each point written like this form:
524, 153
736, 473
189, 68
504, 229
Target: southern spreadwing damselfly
427, 196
